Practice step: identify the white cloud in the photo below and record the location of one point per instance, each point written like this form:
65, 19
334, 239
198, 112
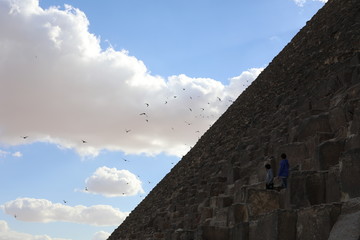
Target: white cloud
3, 153
112, 182
242, 81
59, 86
42, 210
7, 234
302, 2
17, 154
101, 235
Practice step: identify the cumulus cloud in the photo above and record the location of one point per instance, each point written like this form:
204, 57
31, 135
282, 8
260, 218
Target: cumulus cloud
112, 182
42, 210
242, 81
101, 235
302, 2
6, 233
17, 154
6, 153
59, 86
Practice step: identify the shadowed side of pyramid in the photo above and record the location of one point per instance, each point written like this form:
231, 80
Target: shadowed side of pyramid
306, 104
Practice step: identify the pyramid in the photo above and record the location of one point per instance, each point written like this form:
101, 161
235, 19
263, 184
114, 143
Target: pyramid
306, 104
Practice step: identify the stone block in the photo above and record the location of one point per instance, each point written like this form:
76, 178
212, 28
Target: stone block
212, 233
221, 201
355, 123
352, 142
312, 143
348, 224
261, 201
315, 188
328, 153
235, 174
205, 213
238, 213
315, 223
312, 125
220, 218
306, 188
349, 173
240, 231
278, 225
332, 182
337, 118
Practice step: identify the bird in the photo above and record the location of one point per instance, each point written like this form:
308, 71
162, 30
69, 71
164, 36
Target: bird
25, 137
165, 102
86, 189
127, 130
219, 99
175, 96
83, 141
190, 109
125, 160
64, 201
202, 109
144, 114
15, 216
147, 104
184, 89
147, 120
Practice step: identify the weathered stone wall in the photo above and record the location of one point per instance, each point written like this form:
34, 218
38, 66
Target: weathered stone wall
306, 103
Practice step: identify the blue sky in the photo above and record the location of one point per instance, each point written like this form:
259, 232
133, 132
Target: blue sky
99, 100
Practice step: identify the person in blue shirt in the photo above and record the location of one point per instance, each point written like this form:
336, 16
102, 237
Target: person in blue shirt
284, 170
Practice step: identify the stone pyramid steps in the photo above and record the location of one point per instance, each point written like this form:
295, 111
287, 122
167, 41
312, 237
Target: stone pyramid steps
306, 104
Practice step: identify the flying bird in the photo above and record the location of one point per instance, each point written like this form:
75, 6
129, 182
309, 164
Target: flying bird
147, 104
64, 201
25, 137
219, 99
127, 130
83, 141
125, 160
144, 114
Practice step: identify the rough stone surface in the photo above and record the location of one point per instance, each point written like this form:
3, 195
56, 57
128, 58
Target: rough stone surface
350, 172
279, 225
315, 223
305, 103
348, 224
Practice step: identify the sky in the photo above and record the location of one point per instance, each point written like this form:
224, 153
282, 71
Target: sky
100, 99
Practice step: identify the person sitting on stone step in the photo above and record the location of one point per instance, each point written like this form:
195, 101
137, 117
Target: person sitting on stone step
269, 180
284, 170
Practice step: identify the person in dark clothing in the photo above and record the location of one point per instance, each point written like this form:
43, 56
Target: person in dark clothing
284, 170
269, 180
